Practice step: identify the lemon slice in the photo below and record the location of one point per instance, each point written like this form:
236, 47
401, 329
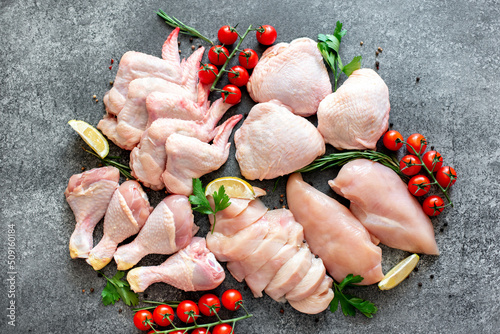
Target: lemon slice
234, 187
92, 137
397, 274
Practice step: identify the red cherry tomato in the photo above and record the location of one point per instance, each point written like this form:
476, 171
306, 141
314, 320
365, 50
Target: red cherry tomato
446, 176
433, 205
227, 35
393, 140
218, 55
209, 304
231, 299
248, 58
177, 332
432, 160
162, 314
238, 75
231, 94
418, 142
419, 185
142, 320
409, 165
266, 34
207, 73
200, 331
222, 329
187, 311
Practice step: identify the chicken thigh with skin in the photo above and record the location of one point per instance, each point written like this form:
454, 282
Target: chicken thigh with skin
382, 203
293, 74
273, 142
88, 194
126, 214
357, 114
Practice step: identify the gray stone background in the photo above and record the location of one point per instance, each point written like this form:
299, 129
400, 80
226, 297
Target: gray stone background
54, 55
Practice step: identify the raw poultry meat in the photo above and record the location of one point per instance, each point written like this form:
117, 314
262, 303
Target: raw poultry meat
293, 74
273, 142
148, 160
170, 227
357, 114
383, 204
126, 214
88, 194
333, 233
193, 268
318, 301
167, 105
189, 157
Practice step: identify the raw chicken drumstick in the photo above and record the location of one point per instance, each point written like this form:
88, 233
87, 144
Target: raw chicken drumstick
357, 114
88, 194
127, 212
169, 228
382, 203
333, 233
193, 268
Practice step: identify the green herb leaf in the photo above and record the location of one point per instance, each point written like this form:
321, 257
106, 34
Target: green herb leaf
109, 294
116, 289
354, 65
174, 22
349, 303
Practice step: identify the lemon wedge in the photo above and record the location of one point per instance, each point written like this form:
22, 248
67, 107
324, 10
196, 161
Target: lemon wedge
92, 137
397, 274
234, 187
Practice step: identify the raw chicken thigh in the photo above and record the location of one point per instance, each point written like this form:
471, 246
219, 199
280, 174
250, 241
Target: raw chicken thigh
193, 268
333, 233
357, 114
293, 74
126, 214
273, 141
88, 194
383, 204
170, 227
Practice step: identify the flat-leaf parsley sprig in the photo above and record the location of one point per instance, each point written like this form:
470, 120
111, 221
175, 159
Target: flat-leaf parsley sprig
116, 289
349, 303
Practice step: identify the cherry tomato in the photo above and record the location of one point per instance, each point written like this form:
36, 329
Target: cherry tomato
205, 303
238, 75
218, 55
248, 58
222, 329
419, 185
227, 35
162, 313
446, 176
432, 160
231, 94
177, 332
266, 34
231, 299
187, 311
409, 165
393, 140
418, 142
142, 320
207, 73
433, 205
200, 331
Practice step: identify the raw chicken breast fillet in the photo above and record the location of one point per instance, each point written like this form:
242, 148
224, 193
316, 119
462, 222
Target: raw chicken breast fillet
293, 74
382, 203
357, 114
273, 142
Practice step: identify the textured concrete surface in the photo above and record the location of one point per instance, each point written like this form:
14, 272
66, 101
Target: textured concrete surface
55, 55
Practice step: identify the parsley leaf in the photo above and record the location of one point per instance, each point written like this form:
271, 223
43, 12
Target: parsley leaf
349, 303
116, 289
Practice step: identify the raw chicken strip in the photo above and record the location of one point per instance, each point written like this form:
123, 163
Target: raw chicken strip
310, 282
333, 233
148, 160
293, 74
273, 142
170, 227
318, 301
383, 204
88, 194
193, 268
357, 114
189, 158
126, 214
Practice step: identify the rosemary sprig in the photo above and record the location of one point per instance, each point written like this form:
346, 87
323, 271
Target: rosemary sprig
174, 22
124, 169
